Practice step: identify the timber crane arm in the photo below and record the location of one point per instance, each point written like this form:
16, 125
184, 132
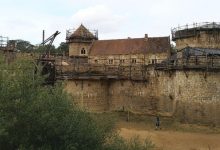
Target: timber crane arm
50, 40
47, 62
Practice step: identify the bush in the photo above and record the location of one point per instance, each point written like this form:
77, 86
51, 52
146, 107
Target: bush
118, 143
33, 116
41, 117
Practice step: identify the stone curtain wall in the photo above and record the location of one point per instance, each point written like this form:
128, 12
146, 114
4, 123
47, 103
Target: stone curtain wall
89, 94
190, 96
150, 96
198, 97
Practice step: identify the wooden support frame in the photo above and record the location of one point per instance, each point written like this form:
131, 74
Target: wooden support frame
186, 73
205, 74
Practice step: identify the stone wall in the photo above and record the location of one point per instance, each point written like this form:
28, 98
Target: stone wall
204, 39
198, 96
89, 94
75, 49
191, 96
128, 59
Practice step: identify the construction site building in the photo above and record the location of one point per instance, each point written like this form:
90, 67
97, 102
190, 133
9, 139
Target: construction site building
80, 41
130, 51
200, 35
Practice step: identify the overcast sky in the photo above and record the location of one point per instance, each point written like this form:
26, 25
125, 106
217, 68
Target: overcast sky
25, 19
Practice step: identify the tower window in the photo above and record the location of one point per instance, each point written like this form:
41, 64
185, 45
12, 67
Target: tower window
154, 61
122, 61
110, 61
83, 51
133, 61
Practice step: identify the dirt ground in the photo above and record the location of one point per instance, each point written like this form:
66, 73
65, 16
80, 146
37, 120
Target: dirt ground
171, 140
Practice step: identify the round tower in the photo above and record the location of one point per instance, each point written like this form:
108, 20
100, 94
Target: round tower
197, 35
80, 41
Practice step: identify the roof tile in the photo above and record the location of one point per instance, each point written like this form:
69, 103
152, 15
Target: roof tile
130, 46
82, 32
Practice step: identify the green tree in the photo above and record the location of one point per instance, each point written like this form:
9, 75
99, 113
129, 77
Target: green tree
33, 116
39, 49
37, 117
24, 46
63, 48
46, 48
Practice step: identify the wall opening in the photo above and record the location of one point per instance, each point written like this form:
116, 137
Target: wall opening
133, 61
83, 51
110, 61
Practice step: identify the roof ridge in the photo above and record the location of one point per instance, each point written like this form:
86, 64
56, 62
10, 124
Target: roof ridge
122, 39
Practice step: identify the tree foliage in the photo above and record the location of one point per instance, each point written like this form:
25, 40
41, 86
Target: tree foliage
46, 48
27, 47
63, 48
37, 117
33, 116
24, 46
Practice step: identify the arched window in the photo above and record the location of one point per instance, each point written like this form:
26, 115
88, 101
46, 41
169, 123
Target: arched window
122, 61
83, 51
133, 61
110, 61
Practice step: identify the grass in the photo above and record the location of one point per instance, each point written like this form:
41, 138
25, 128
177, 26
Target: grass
117, 142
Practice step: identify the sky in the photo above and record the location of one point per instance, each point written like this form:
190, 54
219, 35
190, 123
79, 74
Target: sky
114, 19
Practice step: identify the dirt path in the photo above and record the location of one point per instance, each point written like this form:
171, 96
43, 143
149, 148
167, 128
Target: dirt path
174, 140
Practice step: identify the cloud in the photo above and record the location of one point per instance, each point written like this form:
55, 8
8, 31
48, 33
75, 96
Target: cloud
30, 27
114, 19
101, 17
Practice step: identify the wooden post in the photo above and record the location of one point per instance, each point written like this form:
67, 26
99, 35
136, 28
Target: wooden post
82, 94
128, 115
207, 61
43, 37
130, 71
212, 61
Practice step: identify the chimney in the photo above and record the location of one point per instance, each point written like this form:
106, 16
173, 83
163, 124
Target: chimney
146, 36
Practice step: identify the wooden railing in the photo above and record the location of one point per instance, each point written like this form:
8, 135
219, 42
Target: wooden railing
132, 71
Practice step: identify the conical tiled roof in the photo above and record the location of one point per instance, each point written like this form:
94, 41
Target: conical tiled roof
82, 32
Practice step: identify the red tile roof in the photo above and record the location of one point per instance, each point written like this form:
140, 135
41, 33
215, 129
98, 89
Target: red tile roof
130, 46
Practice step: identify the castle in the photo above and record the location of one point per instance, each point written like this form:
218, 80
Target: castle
83, 44
140, 75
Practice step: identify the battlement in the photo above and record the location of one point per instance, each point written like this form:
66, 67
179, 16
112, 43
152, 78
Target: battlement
192, 30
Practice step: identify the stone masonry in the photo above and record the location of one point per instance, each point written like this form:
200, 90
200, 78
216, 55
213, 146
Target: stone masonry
189, 96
